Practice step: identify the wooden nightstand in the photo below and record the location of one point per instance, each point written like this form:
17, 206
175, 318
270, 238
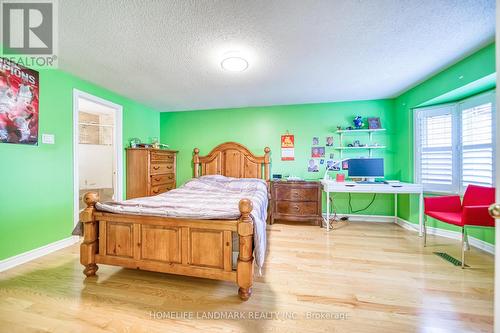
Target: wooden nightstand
298, 201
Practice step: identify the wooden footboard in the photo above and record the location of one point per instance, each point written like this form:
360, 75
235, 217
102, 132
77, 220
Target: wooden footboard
201, 248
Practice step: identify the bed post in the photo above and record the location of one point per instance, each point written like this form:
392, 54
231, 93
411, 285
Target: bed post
89, 246
244, 269
267, 160
196, 162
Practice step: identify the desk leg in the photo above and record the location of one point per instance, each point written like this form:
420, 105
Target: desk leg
420, 214
327, 211
395, 208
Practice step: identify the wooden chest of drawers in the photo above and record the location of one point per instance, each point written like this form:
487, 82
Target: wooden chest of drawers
150, 171
296, 201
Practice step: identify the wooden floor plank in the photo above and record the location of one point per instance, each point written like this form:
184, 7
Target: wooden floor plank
375, 277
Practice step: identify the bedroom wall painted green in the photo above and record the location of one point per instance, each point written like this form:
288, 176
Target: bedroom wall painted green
257, 127
36, 192
476, 70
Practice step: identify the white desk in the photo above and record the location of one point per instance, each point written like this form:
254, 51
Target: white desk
330, 186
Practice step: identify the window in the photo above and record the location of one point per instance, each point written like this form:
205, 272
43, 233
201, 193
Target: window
454, 144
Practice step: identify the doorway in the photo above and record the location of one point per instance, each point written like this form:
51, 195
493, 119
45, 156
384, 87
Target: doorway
97, 149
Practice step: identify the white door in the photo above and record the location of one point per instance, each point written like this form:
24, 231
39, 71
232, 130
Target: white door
97, 149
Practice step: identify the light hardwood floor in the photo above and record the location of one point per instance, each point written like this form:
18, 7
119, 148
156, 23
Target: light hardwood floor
378, 275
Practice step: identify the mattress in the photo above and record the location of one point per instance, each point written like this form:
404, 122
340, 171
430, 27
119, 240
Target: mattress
207, 197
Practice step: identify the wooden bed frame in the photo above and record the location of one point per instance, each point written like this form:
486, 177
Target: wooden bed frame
201, 248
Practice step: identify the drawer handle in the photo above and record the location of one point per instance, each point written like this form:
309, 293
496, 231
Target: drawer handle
157, 179
296, 207
170, 176
156, 167
155, 191
295, 194
169, 167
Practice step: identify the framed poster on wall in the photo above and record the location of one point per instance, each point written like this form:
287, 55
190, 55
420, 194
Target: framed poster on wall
287, 147
19, 88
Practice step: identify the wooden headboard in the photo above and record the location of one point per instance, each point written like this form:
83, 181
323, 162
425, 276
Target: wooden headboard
232, 159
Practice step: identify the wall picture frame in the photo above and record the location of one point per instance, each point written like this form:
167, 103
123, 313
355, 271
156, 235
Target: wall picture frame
19, 103
374, 123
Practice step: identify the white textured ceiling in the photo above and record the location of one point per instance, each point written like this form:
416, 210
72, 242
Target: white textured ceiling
166, 54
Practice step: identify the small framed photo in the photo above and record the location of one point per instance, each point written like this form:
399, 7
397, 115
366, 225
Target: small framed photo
329, 141
318, 152
345, 165
332, 156
322, 161
332, 165
315, 141
313, 166
374, 123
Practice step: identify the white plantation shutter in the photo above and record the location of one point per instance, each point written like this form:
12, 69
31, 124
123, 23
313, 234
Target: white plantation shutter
454, 145
477, 145
435, 148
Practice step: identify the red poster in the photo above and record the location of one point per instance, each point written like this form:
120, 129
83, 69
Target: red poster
287, 147
18, 103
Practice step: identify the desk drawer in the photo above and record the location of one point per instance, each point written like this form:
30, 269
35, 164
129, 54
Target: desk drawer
162, 179
296, 193
159, 168
296, 208
162, 188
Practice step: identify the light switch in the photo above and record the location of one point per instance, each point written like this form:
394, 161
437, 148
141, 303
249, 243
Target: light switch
48, 139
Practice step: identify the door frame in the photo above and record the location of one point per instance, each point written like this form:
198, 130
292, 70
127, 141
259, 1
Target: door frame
118, 143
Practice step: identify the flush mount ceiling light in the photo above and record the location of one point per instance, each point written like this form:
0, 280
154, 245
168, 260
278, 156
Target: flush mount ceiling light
234, 64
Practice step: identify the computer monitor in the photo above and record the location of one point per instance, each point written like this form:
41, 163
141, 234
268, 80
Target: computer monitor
368, 168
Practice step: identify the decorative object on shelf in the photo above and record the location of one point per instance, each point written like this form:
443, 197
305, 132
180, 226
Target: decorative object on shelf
163, 146
322, 161
143, 145
350, 145
134, 142
374, 123
358, 122
345, 165
340, 177
356, 143
339, 128
318, 152
349, 128
329, 141
155, 143
287, 147
315, 141
332, 156
313, 166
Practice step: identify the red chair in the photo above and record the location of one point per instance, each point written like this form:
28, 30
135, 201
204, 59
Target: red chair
473, 211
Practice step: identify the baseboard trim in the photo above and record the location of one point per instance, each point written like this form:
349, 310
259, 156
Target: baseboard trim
22, 258
407, 225
477, 243
366, 218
